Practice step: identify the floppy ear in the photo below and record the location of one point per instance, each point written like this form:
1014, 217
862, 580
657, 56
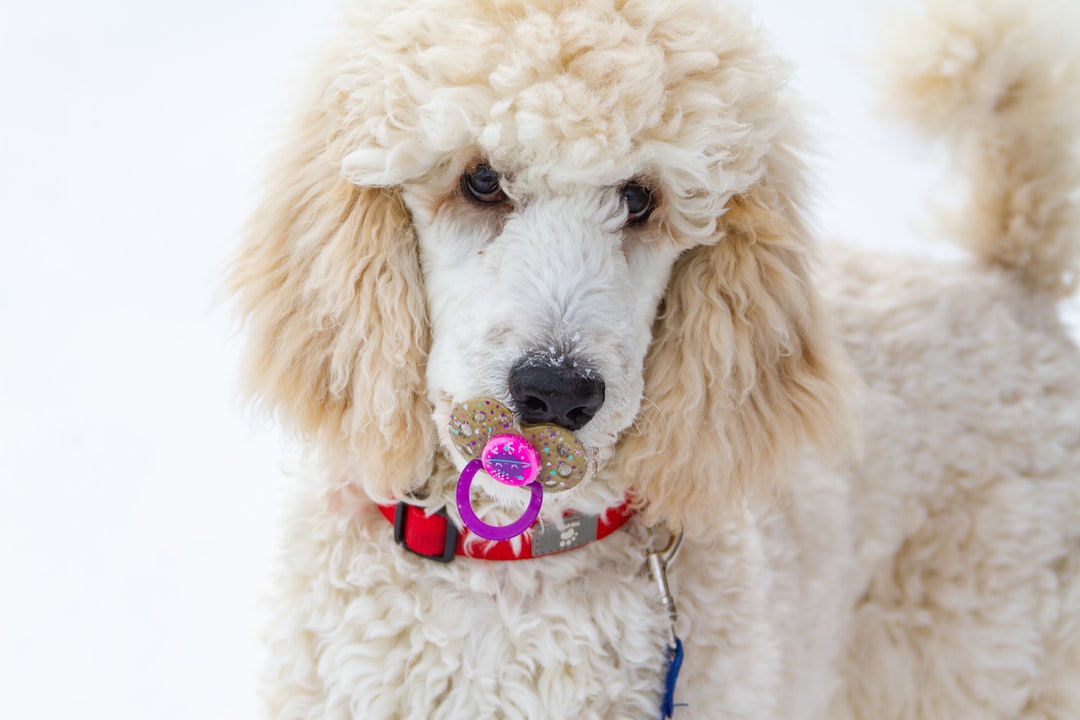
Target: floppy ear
744, 370
329, 282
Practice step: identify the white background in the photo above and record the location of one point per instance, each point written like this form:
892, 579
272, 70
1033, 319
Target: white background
138, 497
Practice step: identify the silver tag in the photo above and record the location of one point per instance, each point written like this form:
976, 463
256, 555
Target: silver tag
577, 530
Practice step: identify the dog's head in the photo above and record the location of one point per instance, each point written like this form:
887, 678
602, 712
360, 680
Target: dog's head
588, 211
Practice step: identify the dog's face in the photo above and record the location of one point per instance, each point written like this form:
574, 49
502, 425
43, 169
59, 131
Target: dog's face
587, 210
550, 218
543, 299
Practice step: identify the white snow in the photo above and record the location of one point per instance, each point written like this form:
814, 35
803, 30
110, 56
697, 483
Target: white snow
139, 501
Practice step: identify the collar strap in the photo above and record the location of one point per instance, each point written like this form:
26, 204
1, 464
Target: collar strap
437, 538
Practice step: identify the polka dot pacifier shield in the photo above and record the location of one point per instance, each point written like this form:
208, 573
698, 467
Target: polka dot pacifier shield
540, 458
563, 463
474, 422
563, 460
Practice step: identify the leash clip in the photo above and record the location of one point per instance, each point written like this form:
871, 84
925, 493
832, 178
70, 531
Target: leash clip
658, 561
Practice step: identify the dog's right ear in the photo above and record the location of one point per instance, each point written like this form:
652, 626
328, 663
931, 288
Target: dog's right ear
329, 282
745, 370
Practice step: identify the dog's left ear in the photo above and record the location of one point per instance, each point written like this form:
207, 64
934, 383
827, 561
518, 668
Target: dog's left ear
330, 284
744, 370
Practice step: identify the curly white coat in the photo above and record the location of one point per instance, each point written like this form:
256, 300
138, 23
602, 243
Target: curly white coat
877, 464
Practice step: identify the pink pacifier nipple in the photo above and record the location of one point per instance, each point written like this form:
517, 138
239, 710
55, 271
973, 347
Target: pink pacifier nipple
511, 460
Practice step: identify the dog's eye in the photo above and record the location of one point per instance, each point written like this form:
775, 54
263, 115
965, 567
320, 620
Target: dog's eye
482, 185
639, 202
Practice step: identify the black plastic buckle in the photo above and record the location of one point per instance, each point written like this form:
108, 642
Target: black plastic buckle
451, 538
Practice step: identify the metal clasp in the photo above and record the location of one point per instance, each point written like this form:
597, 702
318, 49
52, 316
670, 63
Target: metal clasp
659, 561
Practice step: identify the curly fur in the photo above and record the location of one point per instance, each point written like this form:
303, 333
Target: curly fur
330, 285
918, 563
953, 71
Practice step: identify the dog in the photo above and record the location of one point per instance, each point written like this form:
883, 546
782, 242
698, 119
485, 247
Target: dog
500, 222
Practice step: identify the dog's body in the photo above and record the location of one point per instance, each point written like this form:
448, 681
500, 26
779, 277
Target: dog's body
921, 561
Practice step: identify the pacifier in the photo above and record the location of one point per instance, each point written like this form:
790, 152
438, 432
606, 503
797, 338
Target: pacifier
541, 458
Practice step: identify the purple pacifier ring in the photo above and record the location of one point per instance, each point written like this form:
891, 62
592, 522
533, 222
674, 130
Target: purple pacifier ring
481, 528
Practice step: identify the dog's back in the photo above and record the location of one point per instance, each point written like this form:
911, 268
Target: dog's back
967, 496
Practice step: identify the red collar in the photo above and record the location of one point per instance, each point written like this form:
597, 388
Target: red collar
437, 538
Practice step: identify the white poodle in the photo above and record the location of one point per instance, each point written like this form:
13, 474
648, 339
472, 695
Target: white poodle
533, 280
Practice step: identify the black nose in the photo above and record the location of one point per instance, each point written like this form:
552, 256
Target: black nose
555, 394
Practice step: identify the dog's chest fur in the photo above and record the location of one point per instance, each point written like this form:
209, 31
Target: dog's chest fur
388, 634
369, 630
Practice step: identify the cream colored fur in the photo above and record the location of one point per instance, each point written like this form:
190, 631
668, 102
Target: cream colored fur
876, 461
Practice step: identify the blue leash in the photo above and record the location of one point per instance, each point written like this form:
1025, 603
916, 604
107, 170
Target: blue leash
667, 706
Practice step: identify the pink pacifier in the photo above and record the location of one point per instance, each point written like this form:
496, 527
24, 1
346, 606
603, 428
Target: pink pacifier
510, 459
541, 458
